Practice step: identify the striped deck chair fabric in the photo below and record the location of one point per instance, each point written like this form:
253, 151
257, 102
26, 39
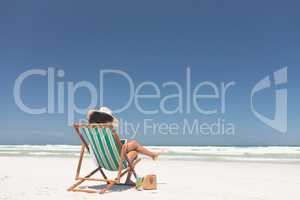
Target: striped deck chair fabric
103, 146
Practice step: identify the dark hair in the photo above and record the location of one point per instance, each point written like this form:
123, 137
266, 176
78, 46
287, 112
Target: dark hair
99, 117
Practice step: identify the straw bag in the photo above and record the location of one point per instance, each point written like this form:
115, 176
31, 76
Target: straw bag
149, 182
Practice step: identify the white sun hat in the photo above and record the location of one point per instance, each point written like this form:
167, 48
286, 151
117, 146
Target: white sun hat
106, 111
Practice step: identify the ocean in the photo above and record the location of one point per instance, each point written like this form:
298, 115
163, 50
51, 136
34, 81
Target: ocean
208, 153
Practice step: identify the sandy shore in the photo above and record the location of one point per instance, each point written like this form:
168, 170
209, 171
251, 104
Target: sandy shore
31, 178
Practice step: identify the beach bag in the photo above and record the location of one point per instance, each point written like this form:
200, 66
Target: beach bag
149, 182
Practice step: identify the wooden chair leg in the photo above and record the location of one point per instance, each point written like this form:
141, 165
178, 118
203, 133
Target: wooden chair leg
129, 171
82, 180
80, 161
128, 178
130, 166
87, 177
82, 151
85, 190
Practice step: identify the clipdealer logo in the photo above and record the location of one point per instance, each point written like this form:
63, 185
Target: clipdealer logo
189, 97
279, 79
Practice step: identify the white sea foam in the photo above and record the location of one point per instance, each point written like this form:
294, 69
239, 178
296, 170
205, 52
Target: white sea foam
271, 153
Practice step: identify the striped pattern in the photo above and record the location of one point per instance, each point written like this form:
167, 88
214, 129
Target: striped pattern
105, 149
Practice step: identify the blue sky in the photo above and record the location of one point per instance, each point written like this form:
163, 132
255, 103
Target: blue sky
221, 41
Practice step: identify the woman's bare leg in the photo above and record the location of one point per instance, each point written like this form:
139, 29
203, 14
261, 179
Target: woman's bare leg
135, 146
122, 158
132, 155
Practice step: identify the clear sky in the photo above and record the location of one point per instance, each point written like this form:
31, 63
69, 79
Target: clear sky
220, 41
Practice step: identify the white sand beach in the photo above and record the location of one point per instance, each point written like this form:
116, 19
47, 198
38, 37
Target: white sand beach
36, 178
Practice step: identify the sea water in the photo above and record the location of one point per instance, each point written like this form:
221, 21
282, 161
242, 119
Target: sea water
207, 153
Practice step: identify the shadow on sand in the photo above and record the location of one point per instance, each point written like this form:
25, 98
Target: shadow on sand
115, 188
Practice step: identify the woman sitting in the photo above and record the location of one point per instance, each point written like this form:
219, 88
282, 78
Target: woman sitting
130, 148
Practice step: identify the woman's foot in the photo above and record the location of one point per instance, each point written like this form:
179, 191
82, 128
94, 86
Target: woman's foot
155, 156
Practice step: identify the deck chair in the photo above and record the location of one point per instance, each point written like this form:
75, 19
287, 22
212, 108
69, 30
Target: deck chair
99, 141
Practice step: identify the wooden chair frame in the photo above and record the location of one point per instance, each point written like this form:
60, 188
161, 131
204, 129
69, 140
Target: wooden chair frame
109, 182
